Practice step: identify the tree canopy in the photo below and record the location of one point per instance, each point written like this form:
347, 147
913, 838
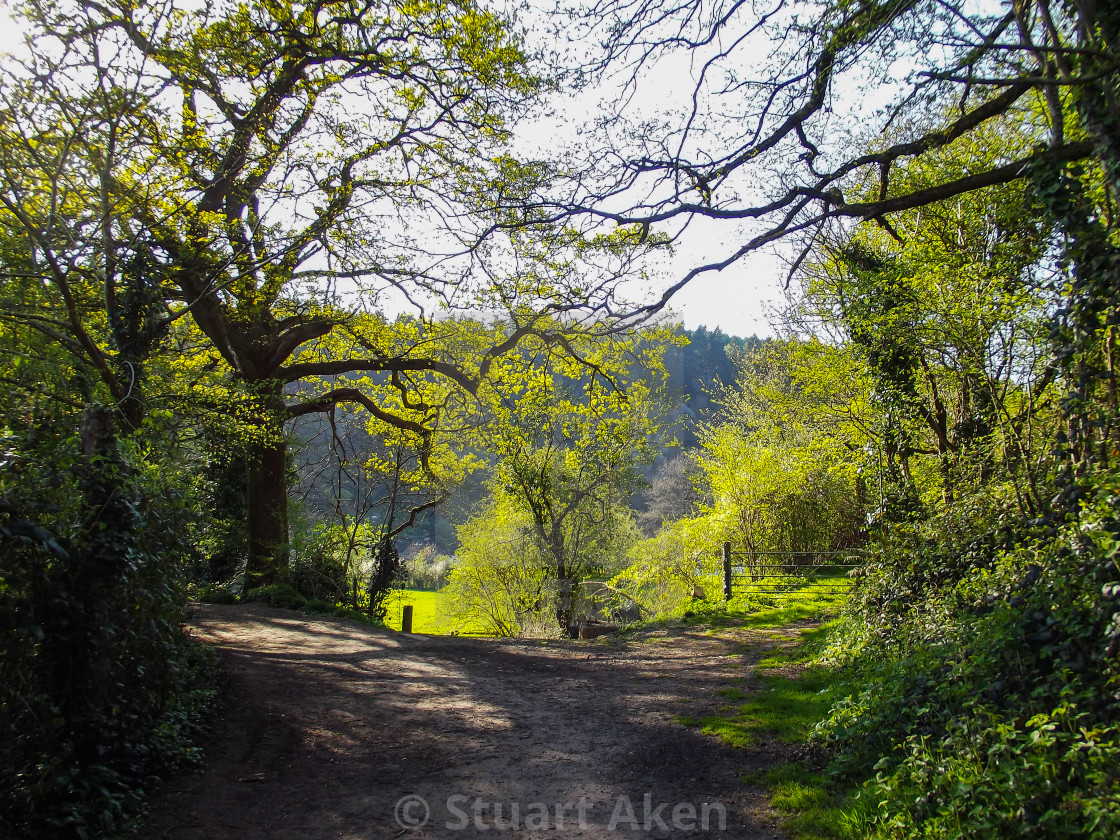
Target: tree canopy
279, 175
802, 117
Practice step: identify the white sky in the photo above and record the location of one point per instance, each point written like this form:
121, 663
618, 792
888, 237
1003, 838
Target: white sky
737, 300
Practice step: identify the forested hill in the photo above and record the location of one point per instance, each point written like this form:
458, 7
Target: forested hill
696, 368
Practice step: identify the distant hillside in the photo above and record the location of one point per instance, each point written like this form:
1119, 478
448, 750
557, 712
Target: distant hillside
695, 368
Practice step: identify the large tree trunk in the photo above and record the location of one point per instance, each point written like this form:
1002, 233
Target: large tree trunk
267, 503
267, 516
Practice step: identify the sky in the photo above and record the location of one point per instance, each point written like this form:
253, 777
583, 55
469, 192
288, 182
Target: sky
737, 300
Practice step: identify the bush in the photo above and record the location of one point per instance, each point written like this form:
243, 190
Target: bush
982, 680
501, 584
100, 687
667, 570
277, 595
216, 595
322, 569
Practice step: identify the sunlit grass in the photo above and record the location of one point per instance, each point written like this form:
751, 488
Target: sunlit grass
427, 615
792, 695
431, 613
810, 808
797, 604
769, 605
785, 709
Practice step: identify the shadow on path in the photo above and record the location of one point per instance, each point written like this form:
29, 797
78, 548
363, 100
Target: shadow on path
327, 724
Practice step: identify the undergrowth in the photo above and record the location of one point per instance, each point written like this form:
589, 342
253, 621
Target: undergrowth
980, 692
101, 688
286, 597
971, 688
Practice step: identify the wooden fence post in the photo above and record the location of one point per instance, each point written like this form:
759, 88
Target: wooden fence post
727, 571
406, 618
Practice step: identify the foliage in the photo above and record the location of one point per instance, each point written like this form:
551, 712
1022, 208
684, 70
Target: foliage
987, 669
324, 566
199, 173
352, 565
570, 432
385, 571
669, 568
193, 216
501, 582
216, 595
281, 595
947, 315
783, 470
101, 686
972, 685
426, 568
980, 677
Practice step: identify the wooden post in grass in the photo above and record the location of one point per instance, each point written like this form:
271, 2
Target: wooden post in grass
727, 571
406, 618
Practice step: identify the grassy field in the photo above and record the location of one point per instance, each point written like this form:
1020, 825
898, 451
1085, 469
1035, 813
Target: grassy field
430, 613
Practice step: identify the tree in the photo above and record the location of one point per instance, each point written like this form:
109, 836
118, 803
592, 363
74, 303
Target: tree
502, 583
96, 532
672, 493
785, 467
278, 172
697, 365
948, 312
982, 642
362, 483
774, 138
97, 303
569, 446
983, 639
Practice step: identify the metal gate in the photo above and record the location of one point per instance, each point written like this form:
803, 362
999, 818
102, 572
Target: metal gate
827, 572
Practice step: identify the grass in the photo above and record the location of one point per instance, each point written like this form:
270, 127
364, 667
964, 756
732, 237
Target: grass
810, 808
430, 613
793, 695
785, 709
770, 610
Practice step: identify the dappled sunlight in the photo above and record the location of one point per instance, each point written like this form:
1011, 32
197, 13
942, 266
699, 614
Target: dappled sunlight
504, 722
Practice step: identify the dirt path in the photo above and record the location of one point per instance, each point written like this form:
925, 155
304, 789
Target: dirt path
328, 724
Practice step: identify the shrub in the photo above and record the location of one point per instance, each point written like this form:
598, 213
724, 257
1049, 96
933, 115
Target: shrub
277, 595
216, 595
325, 564
666, 570
501, 583
99, 685
982, 681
